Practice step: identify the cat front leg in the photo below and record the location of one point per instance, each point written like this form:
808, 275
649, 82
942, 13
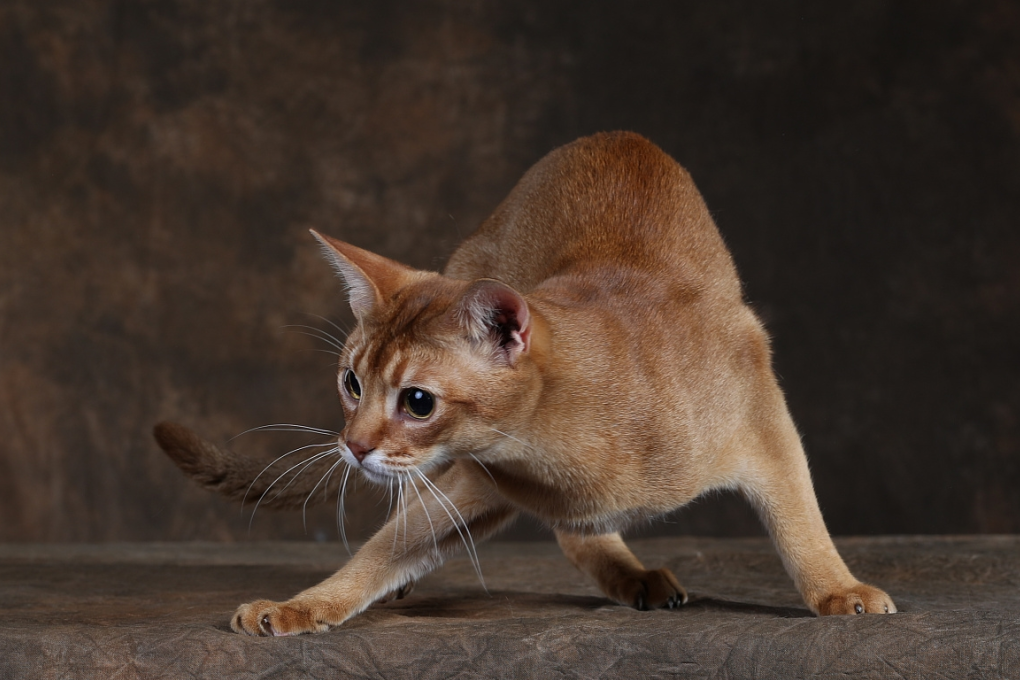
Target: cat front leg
458, 508
619, 574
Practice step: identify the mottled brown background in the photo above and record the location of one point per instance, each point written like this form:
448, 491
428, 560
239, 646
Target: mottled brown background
161, 161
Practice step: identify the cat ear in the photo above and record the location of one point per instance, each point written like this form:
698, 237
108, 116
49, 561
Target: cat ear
369, 277
494, 312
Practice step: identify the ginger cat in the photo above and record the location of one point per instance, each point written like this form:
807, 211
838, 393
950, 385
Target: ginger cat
587, 358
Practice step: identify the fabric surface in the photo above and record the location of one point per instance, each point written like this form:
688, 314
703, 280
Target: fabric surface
162, 611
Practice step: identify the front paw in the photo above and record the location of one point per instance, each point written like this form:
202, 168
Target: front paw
265, 618
858, 599
648, 590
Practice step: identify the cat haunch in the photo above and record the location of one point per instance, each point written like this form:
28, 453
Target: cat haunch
601, 278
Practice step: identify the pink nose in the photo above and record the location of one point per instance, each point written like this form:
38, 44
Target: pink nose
359, 450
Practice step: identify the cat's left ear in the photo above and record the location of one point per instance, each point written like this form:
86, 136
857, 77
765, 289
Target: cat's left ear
370, 278
491, 311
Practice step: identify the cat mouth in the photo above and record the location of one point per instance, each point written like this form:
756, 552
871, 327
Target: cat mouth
375, 468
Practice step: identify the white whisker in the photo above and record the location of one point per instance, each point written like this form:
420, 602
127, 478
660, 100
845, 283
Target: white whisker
316, 333
326, 351
306, 463
340, 514
323, 478
276, 460
288, 427
312, 335
343, 331
329, 475
509, 436
408, 481
484, 468
469, 542
389, 504
432, 528
396, 516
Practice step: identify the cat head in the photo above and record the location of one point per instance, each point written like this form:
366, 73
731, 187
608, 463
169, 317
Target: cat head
435, 369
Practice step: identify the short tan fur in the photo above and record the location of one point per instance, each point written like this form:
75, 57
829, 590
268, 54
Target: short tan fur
587, 358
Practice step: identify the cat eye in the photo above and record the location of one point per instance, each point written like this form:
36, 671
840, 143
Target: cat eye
418, 403
352, 385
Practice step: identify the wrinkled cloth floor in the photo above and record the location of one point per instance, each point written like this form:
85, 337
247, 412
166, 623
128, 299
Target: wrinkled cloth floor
162, 611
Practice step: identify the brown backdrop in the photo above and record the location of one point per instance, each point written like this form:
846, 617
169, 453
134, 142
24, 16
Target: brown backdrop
160, 162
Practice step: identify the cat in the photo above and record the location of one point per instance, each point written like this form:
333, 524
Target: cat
586, 357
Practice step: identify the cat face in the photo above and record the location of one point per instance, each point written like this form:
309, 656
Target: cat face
403, 399
433, 370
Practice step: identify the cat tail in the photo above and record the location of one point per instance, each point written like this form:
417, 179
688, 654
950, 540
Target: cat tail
241, 478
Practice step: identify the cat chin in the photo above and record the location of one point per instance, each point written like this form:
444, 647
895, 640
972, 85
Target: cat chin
384, 475
378, 478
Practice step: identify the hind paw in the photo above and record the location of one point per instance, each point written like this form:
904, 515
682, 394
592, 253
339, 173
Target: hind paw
857, 599
655, 589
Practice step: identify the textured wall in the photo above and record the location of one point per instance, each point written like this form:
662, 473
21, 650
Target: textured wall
161, 161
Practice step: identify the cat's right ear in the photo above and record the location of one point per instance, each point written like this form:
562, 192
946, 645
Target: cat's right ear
368, 277
494, 312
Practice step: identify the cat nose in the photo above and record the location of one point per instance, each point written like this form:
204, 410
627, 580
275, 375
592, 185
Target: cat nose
359, 450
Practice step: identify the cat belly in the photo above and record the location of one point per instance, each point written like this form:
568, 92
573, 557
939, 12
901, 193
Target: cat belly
607, 524
576, 510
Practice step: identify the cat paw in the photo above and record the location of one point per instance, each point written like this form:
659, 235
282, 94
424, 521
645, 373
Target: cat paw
858, 599
654, 589
397, 594
277, 619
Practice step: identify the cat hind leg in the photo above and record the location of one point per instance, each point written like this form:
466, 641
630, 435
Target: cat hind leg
777, 482
619, 574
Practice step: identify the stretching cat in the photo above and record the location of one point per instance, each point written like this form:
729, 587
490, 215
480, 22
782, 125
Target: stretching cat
586, 358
